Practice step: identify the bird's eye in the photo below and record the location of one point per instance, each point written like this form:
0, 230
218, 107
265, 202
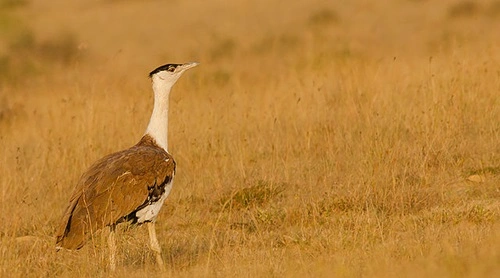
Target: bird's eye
171, 69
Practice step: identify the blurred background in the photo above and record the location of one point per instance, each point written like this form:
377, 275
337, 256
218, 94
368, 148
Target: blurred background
42, 38
355, 137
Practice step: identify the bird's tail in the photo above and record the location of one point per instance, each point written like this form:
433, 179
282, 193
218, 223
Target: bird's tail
71, 232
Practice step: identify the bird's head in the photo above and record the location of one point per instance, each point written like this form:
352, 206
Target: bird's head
168, 74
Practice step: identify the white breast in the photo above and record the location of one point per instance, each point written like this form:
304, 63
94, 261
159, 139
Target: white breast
150, 212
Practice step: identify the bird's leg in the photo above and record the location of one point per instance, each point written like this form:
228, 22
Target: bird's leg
154, 245
112, 247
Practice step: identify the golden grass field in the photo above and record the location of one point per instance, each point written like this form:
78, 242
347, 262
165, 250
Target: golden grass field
316, 139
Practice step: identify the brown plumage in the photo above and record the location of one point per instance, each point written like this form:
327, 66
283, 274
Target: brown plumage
127, 185
114, 189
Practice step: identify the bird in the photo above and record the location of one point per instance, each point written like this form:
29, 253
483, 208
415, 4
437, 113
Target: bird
129, 185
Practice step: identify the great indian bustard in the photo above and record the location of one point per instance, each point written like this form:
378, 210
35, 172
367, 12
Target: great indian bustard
130, 185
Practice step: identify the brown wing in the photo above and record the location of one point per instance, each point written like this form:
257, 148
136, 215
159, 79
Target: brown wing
111, 189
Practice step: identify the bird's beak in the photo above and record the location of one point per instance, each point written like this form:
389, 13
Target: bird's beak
189, 65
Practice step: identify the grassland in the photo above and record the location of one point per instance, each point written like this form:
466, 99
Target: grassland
316, 139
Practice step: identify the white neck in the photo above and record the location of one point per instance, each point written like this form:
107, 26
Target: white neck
158, 124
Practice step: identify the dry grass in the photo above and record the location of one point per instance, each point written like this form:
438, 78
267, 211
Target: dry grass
314, 140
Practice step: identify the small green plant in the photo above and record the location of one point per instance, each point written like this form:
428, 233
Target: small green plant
323, 17
8, 4
63, 48
463, 9
222, 48
252, 196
